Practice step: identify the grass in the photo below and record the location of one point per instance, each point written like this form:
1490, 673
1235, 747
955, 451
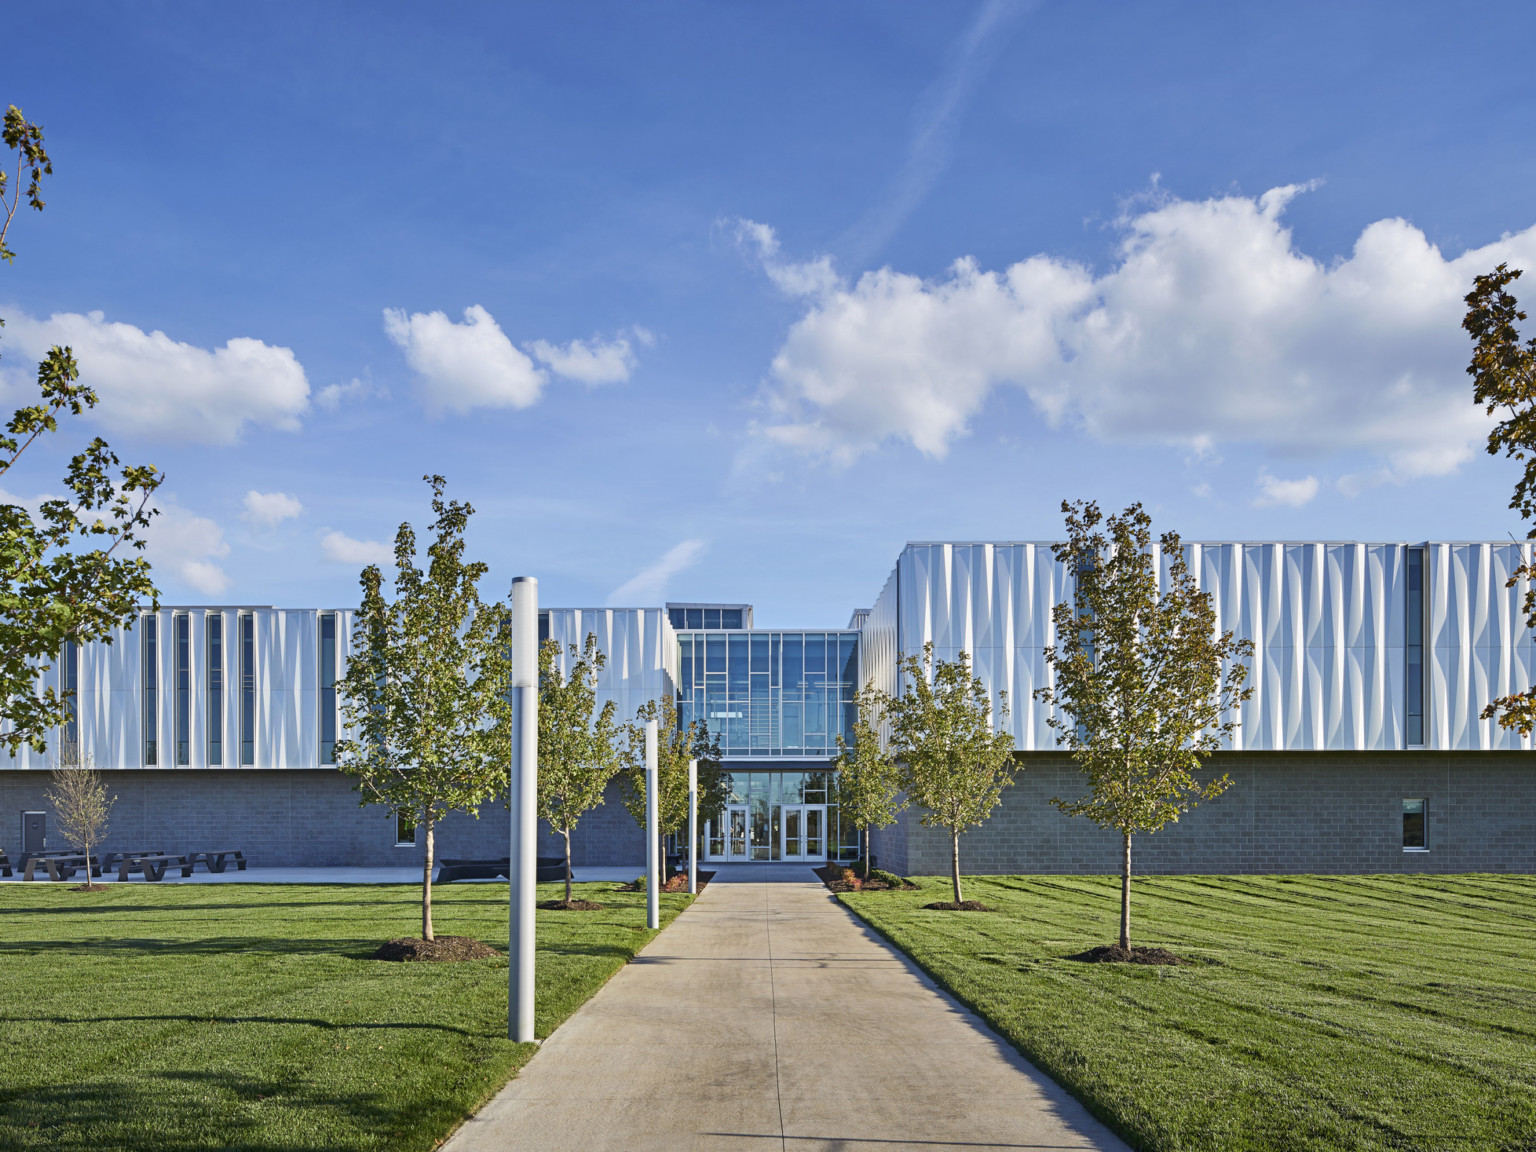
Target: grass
1324, 1012
249, 1016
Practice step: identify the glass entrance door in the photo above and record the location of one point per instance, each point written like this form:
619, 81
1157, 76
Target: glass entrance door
736, 842
804, 832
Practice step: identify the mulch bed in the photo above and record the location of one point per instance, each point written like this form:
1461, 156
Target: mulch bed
443, 948
963, 906
677, 882
1114, 954
573, 906
840, 879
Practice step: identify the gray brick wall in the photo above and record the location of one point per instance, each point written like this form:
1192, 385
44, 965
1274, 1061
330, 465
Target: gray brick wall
1335, 812
1285, 812
295, 818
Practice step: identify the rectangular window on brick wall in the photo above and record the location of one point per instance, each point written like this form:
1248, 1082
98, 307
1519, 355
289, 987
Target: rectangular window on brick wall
1415, 826
405, 830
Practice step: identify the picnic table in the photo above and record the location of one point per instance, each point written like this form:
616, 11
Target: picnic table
218, 861
153, 866
5, 864
111, 859
60, 865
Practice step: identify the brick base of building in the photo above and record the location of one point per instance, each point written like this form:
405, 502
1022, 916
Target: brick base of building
295, 818
1329, 812
1338, 812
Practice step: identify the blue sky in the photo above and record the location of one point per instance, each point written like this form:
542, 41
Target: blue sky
758, 292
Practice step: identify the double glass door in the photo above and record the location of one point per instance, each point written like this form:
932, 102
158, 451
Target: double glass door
804, 832
801, 831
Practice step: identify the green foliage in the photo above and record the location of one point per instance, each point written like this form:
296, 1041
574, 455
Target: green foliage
954, 762
1504, 378
425, 699
66, 574
676, 744
1142, 678
1320, 1013
578, 742
250, 1016
866, 782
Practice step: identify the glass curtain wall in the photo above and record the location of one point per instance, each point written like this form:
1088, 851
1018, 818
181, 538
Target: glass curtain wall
765, 795
215, 636
770, 693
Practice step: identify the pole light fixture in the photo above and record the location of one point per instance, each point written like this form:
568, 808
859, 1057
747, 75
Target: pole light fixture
652, 865
693, 827
524, 802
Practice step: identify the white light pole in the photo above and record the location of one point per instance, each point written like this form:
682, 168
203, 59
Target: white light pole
652, 866
524, 800
693, 827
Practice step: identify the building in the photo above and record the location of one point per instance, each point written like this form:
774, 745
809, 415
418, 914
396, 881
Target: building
1362, 750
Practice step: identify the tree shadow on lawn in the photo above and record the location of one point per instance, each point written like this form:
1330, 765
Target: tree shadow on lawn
199, 1018
187, 1111
354, 947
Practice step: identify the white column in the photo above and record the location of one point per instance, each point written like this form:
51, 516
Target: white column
693, 827
652, 865
523, 797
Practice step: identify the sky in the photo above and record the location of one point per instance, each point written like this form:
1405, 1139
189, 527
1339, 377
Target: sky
728, 301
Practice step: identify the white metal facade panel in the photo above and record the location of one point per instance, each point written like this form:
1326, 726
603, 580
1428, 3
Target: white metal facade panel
1327, 621
110, 703
639, 643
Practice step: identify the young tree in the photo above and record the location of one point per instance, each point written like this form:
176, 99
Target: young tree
1143, 680
1503, 371
80, 804
867, 780
955, 759
675, 746
425, 695
578, 742
67, 576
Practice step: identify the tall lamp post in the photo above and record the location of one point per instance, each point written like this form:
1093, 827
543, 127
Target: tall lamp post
524, 801
652, 867
693, 827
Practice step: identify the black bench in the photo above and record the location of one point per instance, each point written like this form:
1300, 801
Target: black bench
153, 867
218, 861
60, 865
112, 859
548, 868
5, 864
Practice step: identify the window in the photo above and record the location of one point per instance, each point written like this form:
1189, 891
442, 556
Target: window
69, 675
1413, 638
405, 830
216, 690
181, 625
327, 687
151, 690
1415, 826
247, 688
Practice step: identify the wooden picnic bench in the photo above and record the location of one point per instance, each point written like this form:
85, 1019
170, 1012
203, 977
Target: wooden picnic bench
153, 867
5, 864
218, 861
112, 859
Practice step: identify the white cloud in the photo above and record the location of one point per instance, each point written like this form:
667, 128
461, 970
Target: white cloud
150, 385
594, 362
269, 509
1288, 493
332, 396
342, 549
464, 366
649, 585
188, 545
1210, 326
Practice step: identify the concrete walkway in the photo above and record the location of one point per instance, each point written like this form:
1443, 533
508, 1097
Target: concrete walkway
767, 1017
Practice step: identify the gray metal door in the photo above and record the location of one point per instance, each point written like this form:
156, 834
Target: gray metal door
34, 831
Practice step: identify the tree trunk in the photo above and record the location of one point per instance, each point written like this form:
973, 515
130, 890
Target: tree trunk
866, 852
566, 832
1125, 895
426, 884
954, 863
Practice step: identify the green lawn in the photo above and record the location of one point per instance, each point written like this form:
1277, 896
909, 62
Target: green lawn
249, 1016
1326, 1012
